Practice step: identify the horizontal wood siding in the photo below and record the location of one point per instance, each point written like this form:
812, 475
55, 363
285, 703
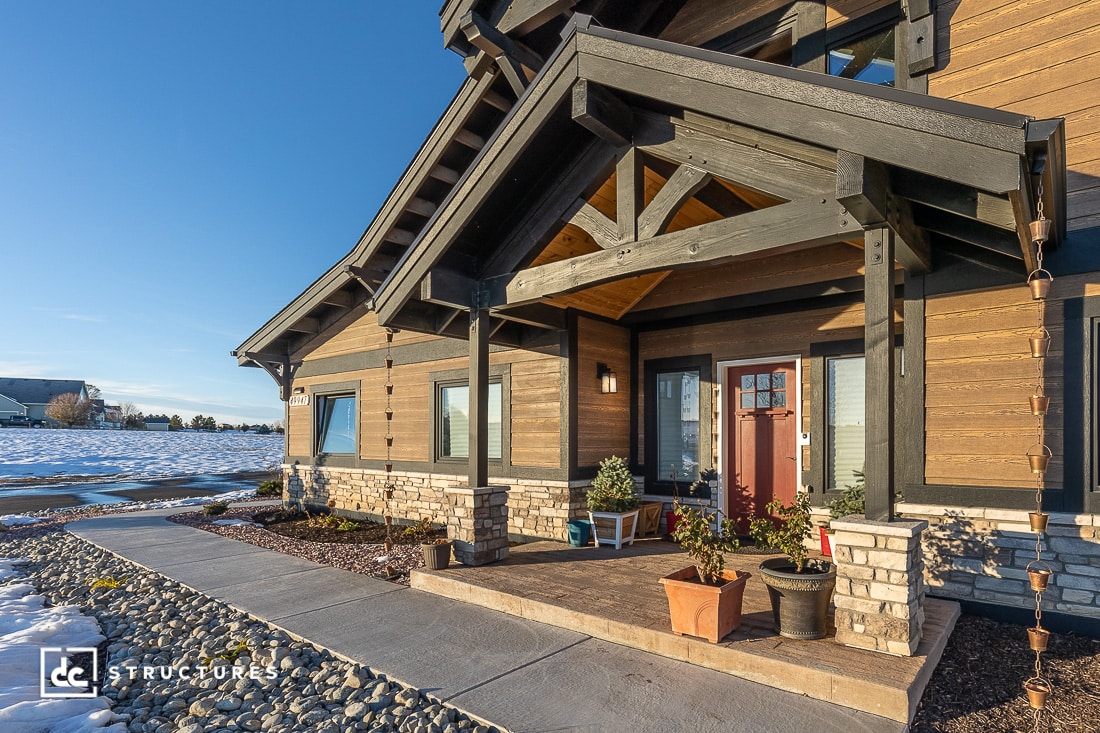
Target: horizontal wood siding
1037, 58
536, 408
603, 420
978, 427
361, 334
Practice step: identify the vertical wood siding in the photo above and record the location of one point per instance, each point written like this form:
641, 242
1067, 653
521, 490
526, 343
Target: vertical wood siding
603, 420
1036, 58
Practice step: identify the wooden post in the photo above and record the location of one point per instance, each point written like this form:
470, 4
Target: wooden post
879, 351
479, 397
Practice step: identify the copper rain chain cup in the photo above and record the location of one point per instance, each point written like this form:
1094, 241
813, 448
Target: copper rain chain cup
1040, 459
1039, 574
1040, 403
1039, 281
1040, 342
1040, 230
1038, 521
1037, 691
1038, 638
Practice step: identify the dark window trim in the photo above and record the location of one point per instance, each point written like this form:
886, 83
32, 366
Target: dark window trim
1081, 459
498, 374
654, 483
814, 478
866, 25
317, 393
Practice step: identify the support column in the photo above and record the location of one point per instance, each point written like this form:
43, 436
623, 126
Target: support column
878, 338
880, 589
479, 398
477, 524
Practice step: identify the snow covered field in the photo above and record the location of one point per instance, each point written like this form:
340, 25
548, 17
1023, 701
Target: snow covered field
26, 453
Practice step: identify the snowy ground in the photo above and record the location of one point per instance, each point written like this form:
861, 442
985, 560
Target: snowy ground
36, 454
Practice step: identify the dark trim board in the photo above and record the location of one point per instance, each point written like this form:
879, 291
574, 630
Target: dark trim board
379, 466
654, 483
1081, 394
987, 497
1055, 621
419, 353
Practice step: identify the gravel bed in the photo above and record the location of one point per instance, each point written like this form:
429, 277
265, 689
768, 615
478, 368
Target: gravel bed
367, 559
153, 622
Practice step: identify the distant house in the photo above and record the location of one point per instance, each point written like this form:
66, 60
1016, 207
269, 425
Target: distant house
9, 407
35, 394
157, 423
105, 416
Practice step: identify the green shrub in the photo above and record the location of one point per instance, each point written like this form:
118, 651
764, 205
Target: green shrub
422, 530
347, 526
614, 489
759, 529
794, 526
852, 501
215, 508
271, 487
705, 546
106, 582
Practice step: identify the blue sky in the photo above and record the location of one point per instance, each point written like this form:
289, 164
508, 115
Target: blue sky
173, 173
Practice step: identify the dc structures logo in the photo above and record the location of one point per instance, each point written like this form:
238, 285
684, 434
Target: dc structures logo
69, 671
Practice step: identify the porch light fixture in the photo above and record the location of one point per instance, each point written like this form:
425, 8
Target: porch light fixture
609, 384
299, 390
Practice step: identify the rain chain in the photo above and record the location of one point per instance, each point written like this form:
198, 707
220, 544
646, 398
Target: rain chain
389, 486
1039, 572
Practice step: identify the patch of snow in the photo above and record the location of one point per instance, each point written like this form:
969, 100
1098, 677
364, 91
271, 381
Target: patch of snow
196, 500
133, 453
235, 523
14, 520
27, 625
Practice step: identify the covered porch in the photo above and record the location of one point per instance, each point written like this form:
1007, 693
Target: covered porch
614, 595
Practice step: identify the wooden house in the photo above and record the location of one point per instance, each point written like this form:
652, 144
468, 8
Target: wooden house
796, 234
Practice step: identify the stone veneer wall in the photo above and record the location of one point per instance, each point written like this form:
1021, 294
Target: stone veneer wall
535, 508
977, 554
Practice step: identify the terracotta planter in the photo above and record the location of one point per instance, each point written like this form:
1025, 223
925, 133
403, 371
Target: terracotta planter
800, 601
437, 557
614, 528
711, 612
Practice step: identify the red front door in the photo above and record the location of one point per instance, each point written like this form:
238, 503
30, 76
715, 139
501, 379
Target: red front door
761, 440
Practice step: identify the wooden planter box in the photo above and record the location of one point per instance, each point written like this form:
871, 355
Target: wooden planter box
614, 528
649, 518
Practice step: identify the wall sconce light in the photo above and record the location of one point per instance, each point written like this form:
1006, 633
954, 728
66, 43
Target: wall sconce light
299, 390
608, 382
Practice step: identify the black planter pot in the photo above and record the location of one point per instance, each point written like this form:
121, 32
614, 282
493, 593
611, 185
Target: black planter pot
800, 601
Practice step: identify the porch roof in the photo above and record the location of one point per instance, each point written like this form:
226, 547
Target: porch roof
949, 177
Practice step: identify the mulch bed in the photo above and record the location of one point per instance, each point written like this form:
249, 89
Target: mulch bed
299, 526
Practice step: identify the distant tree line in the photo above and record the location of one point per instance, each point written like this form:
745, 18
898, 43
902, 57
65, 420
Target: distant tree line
73, 410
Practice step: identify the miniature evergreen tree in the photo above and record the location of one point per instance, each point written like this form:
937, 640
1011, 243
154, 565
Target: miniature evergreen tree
614, 489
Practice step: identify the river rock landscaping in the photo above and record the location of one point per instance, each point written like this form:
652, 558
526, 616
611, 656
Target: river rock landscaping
256, 678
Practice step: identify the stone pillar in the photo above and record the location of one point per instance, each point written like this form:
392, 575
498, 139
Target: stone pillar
879, 584
478, 523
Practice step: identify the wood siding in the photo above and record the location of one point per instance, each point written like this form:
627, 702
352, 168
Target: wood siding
1037, 58
535, 397
603, 420
978, 427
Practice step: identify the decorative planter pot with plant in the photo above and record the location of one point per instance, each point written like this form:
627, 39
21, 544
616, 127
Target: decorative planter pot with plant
437, 554
705, 599
613, 504
799, 588
851, 501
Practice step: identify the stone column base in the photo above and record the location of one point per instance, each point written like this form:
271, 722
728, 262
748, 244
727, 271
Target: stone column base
478, 523
879, 584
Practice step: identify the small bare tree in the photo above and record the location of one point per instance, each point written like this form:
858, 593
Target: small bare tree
69, 409
130, 415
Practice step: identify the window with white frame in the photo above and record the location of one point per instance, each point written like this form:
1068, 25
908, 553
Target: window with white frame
453, 421
845, 423
336, 424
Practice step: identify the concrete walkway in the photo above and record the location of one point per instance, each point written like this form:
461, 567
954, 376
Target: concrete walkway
516, 674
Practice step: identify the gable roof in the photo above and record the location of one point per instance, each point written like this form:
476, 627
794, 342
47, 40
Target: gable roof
38, 391
8, 404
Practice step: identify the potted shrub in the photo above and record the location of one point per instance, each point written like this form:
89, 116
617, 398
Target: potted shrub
851, 501
799, 588
705, 599
613, 504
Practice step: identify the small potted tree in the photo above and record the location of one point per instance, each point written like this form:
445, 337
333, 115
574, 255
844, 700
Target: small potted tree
799, 588
613, 504
705, 599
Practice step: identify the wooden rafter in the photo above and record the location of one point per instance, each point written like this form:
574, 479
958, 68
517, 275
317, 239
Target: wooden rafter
602, 230
684, 183
602, 113
518, 63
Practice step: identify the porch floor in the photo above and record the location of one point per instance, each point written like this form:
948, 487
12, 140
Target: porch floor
614, 595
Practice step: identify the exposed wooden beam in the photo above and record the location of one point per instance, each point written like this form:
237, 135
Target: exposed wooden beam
534, 314
969, 231
338, 298
524, 16
489, 39
422, 207
794, 225
400, 236
954, 198
878, 340
470, 139
477, 64
604, 231
445, 174
306, 325
478, 413
629, 193
602, 113
684, 183
362, 276
445, 287
497, 100
745, 164
863, 187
